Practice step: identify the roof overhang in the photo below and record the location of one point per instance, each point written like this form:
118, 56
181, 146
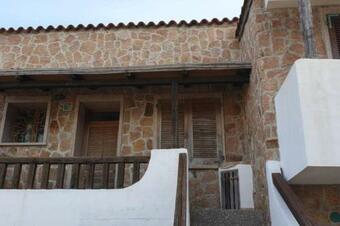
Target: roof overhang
185, 74
273, 4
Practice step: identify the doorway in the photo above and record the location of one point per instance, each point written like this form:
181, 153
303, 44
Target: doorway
98, 129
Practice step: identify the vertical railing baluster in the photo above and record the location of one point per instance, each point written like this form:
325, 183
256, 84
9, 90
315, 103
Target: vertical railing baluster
136, 171
75, 175
3, 171
45, 175
31, 175
16, 176
227, 187
60, 175
90, 180
237, 190
232, 201
120, 175
106, 172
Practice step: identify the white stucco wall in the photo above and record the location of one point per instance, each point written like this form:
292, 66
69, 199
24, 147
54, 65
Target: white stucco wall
308, 122
280, 214
245, 175
272, 4
151, 201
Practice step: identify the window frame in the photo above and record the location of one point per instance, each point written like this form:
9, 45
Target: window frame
332, 36
24, 100
323, 16
188, 130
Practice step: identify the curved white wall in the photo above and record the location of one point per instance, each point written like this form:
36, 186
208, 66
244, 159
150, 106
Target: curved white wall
280, 214
151, 201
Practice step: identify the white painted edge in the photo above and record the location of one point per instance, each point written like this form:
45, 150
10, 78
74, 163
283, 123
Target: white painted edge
280, 215
245, 174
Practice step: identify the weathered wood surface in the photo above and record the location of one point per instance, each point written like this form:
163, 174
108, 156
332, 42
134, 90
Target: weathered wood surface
237, 79
174, 114
181, 193
126, 70
306, 20
334, 33
292, 201
71, 160
50, 180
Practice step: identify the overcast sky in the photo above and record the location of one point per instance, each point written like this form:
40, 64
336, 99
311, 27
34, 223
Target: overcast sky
16, 13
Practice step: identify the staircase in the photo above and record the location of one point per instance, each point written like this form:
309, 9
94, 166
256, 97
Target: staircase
223, 217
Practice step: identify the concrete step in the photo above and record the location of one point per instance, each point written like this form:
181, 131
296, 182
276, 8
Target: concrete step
221, 217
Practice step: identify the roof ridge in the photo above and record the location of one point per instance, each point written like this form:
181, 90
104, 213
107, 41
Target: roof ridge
141, 24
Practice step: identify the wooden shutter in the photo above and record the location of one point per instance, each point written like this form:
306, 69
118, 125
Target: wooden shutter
204, 128
166, 125
334, 32
102, 138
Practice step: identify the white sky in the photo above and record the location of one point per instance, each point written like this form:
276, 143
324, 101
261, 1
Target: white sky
16, 13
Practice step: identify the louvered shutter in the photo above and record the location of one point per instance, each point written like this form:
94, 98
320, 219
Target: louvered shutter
166, 140
102, 139
335, 35
204, 128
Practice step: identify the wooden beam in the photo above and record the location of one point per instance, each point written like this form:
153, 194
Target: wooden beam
23, 78
235, 79
306, 20
126, 70
292, 201
130, 75
180, 218
174, 114
76, 77
243, 18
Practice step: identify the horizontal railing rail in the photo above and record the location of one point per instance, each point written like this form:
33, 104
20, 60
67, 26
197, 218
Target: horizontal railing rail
71, 172
292, 201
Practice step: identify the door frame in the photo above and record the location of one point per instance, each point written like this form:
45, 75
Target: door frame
103, 98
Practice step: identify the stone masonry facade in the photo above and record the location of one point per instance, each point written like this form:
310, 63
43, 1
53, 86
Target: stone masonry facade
120, 48
273, 41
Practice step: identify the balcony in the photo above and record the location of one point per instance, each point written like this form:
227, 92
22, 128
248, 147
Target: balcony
95, 191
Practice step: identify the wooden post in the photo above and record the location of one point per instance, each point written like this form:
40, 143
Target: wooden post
174, 114
306, 20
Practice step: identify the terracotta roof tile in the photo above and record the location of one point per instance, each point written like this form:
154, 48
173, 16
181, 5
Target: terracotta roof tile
214, 21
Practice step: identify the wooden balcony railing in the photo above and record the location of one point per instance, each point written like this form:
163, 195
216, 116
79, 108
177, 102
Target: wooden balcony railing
292, 201
71, 173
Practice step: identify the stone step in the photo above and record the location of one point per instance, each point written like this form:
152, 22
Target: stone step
221, 217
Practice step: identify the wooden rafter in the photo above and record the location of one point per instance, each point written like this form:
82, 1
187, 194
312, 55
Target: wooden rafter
165, 75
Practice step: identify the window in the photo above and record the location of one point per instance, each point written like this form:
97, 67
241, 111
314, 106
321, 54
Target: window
334, 32
199, 127
25, 122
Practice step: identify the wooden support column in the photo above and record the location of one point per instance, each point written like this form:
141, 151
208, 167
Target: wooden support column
306, 20
174, 114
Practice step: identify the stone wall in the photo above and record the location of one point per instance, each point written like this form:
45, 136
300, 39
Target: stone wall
120, 47
272, 41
